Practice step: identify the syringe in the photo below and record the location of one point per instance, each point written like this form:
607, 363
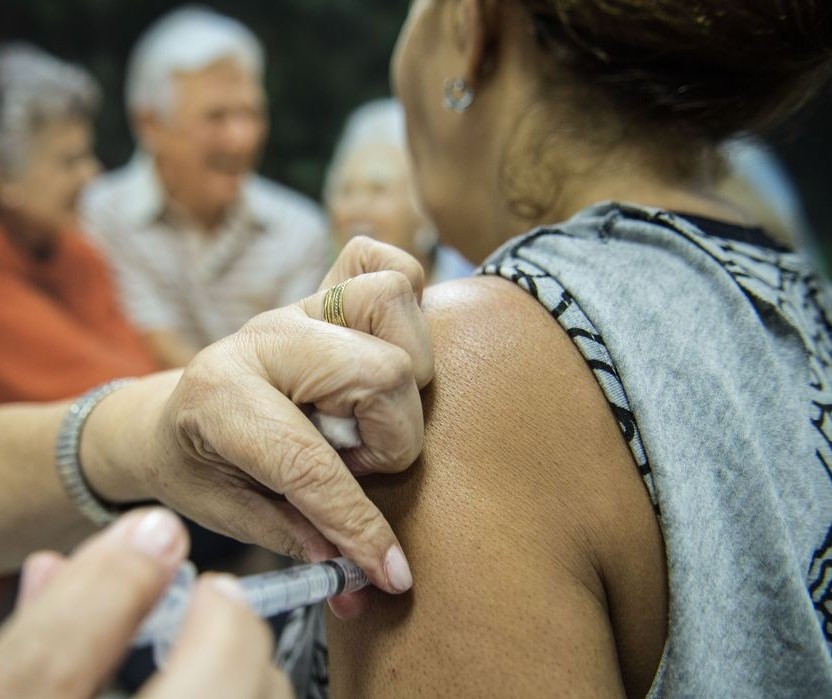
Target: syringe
267, 594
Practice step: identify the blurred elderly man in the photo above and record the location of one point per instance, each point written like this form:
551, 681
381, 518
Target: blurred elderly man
199, 242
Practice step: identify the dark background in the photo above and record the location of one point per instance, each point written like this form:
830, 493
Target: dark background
324, 58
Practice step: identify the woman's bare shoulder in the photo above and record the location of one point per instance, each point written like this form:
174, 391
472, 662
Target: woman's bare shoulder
506, 518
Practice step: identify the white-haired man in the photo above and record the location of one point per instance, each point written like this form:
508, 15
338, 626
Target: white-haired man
200, 243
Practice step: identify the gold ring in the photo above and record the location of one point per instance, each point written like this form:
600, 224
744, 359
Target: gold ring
334, 304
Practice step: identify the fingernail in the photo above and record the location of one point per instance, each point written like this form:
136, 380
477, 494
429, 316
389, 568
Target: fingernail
158, 533
228, 586
397, 571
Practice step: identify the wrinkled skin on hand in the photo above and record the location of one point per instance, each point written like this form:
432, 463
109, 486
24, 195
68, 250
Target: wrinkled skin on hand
235, 430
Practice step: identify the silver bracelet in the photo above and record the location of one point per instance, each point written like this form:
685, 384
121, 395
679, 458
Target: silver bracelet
67, 457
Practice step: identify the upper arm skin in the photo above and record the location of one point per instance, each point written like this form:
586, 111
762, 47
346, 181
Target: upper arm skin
538, 562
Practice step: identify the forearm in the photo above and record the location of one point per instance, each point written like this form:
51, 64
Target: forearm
34, 510
219, 442
117, 455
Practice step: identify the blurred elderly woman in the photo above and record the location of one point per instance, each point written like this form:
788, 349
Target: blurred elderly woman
61, 326
369, 190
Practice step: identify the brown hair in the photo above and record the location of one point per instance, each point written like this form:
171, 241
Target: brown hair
714, 67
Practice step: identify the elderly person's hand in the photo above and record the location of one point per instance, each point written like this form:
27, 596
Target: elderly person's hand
76, 617
232, 446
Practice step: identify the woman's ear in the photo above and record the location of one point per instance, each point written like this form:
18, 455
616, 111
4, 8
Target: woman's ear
475, 31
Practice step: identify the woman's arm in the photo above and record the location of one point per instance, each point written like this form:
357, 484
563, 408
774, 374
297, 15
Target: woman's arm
537, 558
35, 511
227, 441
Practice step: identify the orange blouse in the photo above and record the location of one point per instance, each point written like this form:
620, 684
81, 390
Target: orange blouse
62, 331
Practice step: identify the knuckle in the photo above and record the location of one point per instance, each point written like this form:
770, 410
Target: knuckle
388, 369
425, 368
395, 284
378, 256
407, 454
360, 519
359, 244
356, 256
398, 438
399, 456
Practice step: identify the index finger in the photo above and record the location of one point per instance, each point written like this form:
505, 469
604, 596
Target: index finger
384, 305
285, 453
362, 255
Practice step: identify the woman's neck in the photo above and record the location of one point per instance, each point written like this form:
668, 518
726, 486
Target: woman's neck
575, 194
695, 201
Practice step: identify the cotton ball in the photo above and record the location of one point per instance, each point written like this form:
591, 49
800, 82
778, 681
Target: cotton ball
340, 432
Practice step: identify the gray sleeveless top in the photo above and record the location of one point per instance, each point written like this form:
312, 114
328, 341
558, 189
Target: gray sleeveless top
715, 355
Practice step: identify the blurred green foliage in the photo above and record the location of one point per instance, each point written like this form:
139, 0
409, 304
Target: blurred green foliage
325, 57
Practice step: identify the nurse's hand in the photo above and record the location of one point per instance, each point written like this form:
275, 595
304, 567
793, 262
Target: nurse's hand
76, 617
229, 444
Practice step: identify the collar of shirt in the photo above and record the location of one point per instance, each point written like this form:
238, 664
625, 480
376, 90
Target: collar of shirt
210, 255
148, 204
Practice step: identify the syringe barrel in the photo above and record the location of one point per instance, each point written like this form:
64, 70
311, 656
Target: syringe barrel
354, 577
269, 594
168, 614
